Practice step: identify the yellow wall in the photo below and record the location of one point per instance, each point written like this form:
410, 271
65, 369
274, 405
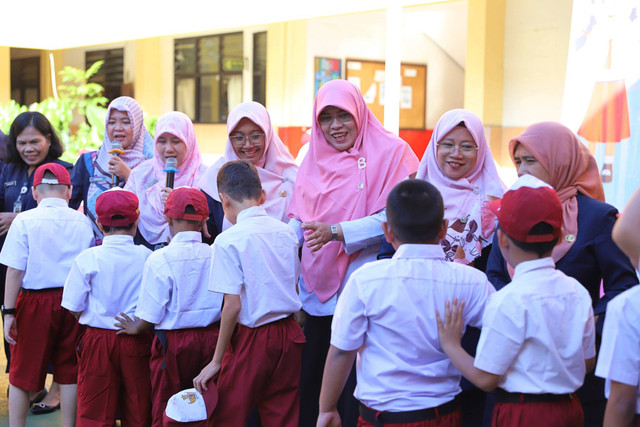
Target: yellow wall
287, 73
5, 74
484, 62
46, 85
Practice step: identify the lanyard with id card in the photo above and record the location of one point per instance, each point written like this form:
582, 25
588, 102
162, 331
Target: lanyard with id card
17, 205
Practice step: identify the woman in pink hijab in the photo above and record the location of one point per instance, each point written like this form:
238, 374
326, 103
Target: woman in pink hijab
338, 202
252, 138
552, 153
458, 162
174, 137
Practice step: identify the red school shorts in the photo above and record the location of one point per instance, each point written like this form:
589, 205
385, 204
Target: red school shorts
47, 333
565, 413
261, 366
113, 372
173, 368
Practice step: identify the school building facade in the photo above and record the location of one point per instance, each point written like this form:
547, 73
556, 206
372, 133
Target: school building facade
503, 59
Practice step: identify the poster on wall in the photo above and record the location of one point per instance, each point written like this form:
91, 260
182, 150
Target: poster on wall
369, 77
324, 70
602, 90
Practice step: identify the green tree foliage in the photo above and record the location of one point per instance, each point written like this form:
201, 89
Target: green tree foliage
77, 97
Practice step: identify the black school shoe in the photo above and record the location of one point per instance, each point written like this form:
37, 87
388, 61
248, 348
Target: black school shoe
40, 408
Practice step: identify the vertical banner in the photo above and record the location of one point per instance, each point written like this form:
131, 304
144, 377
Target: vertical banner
602, 90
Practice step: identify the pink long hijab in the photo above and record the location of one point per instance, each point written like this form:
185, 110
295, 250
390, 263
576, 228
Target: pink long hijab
571, 169
460, 195
335, 186
150, 179
277, 168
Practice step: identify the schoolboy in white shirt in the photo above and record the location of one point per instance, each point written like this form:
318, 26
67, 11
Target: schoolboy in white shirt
175, 298
619, 358
38, 252
113, 370
386, 316
255, 266
538, 332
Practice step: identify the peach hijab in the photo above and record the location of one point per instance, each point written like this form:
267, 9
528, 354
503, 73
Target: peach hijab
334, 186
571, 169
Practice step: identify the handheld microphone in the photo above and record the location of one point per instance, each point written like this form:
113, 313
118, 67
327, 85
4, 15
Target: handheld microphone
116, 150
170, 168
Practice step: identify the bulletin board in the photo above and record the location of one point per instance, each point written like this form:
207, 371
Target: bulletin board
369, 77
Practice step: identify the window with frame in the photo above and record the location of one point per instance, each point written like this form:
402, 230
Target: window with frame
25, 80
260, 67
111, 74
208, 76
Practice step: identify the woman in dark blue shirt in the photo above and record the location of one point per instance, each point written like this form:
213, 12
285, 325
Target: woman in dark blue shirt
551, 152
31, 142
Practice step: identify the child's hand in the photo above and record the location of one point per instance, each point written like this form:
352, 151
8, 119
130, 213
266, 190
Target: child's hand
126, 324
329, 419
10, 331
208, 372
450, 330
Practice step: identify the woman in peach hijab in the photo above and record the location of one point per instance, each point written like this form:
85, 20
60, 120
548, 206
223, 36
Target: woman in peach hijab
551, 152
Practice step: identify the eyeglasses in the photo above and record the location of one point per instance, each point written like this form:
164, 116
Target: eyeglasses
448, 147
239, 139
343, 117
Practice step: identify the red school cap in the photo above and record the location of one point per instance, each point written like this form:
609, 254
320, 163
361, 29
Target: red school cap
182, 197
526, 204
118, 203
59, 172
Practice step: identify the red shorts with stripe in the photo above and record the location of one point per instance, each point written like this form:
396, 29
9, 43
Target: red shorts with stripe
113, 372
47, 333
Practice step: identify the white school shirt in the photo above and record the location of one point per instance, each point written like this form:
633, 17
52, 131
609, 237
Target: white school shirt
105, 281
387, 313
174, 291
257, 259
364, 235
44, 241
538, 331
619, 358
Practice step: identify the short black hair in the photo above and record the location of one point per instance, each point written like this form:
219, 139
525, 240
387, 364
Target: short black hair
239, 180
42, 125
115, 228
415, 211
541, 249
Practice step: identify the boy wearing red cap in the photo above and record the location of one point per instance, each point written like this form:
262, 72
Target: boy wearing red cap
174, 298
256, 266
538, 332
38, 252
113, 370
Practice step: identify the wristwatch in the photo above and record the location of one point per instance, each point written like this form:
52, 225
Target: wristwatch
6, 310
334, 232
